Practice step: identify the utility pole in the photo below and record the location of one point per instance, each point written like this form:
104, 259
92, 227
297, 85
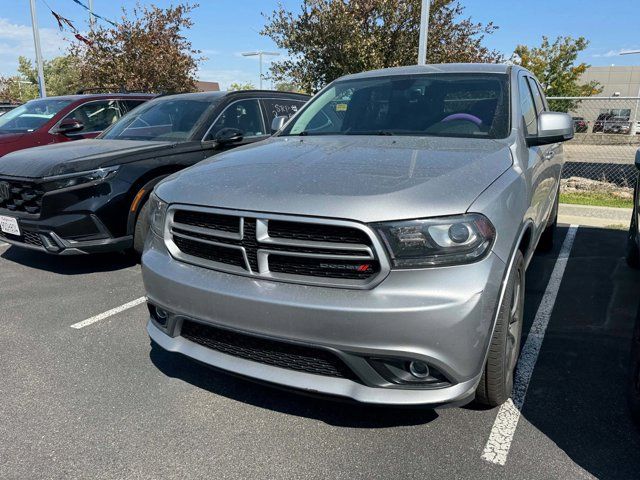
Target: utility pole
92, 19
424, 32
36, 41
260, 54
634, 125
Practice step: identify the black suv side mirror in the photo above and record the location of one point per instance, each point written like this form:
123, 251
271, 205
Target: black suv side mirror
69, 125
228, 135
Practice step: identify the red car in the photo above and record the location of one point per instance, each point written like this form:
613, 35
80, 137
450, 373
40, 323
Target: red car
61, 119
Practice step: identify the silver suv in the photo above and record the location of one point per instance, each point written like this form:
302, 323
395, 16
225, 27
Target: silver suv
375, 248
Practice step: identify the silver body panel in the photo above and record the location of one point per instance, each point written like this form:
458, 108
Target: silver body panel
443, 315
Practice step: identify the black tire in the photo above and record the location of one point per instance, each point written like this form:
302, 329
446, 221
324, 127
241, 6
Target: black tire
141, 229
496, 383
633, 392
545, 244
633, 255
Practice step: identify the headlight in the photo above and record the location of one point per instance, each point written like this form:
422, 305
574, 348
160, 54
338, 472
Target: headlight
437, 241
157, 213
75, 179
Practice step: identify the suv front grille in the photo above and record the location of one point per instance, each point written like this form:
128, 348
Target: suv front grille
269, 352
19, 196
307, 251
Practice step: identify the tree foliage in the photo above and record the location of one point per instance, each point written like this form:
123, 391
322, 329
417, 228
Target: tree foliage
241, 86
554, 64
61, 76
147, 51
330, 38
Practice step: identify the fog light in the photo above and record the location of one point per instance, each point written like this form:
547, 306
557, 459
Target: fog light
161, 314
419, 369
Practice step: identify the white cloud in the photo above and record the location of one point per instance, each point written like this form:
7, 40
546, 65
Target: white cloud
613, 53
17, 40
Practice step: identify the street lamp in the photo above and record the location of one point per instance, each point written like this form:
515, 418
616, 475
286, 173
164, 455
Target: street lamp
424, 32
260, 54
634, 125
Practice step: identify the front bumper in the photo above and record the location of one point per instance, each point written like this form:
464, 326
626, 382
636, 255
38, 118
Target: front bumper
442, 316
46, 235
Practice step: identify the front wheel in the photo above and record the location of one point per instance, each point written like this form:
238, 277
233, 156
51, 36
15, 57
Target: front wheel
633, 394
496, 383
141, 229
633, 251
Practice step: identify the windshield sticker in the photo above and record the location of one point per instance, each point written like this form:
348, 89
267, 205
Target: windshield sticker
341, 107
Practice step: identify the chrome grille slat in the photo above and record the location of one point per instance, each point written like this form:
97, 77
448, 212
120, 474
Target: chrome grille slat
316, 257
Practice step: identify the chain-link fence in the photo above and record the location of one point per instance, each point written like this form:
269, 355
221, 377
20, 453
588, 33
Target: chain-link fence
606, 139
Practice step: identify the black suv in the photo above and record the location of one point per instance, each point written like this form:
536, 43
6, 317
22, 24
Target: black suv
91, 195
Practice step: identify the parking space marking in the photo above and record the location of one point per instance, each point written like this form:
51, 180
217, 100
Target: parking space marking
497, 448
3, 245
109, 313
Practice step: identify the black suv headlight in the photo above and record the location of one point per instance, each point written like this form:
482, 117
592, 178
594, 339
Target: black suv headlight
157, 214
437, 241
75, 179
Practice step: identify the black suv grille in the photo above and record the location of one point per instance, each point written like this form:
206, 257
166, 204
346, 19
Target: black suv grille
276, 249
268, 352
28, 238
23, 196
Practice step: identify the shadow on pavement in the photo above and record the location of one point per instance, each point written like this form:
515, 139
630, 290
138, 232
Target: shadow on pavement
330, 411
577, 393
69, 265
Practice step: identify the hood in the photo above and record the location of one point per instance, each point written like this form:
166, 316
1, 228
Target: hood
351, 177
76, 156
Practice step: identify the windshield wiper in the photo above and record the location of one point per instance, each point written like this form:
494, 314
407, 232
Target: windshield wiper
372, 132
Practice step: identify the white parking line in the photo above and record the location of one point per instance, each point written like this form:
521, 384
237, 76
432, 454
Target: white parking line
3, 245
109, 313
497, 448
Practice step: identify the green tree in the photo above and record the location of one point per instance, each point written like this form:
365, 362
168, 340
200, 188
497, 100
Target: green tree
288, 87
147, 51
554, 64
60, 75
330, 38
241, 86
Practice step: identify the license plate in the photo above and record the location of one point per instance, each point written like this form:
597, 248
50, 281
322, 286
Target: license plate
9, 225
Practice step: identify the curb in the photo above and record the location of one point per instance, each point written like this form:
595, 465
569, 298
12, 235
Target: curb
599, 217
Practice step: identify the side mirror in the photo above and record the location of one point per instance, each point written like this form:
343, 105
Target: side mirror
638, 159
277, 123
69, 125
553, 127
228, 135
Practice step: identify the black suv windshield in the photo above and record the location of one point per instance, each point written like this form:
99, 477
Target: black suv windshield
31, 116
162, 119
442, 105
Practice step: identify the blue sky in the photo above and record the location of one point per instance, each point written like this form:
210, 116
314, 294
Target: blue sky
224, 28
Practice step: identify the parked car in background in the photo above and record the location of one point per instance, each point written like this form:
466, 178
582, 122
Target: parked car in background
91, 195
61, 119
375, 248
580, 124
608, 123
5, 107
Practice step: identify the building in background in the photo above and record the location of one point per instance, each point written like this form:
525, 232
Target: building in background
207, 86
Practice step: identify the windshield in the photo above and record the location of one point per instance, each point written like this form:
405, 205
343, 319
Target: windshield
162, 119
31, 116
442, 105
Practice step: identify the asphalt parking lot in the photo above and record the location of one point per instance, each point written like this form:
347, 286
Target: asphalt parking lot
97, 402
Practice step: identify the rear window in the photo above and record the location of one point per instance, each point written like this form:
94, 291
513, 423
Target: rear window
445, 105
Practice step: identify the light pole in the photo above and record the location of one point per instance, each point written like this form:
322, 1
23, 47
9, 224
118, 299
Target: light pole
634, 125
92, 19
424, 32
36, 41
260, 54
